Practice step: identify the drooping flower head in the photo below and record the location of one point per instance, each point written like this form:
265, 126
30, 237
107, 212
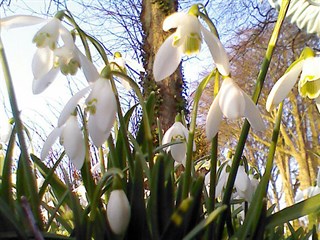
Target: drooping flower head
232, 103
186, 40
309, 82
52, 54
101, 106
177, 132
71, 138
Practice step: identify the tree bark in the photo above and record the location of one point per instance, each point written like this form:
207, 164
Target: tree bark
169, 92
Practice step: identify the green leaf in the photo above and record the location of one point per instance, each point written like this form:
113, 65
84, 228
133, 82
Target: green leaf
59, 188
205, 222
8, 218
138, 227
300, 209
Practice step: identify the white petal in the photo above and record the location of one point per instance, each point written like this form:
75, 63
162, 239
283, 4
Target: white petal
89, 70
308, 69
242, 180
253, 115
5, 132
217, 51
283, 86
49, 142
231, 100
98, 137
221, 181
167, 60
168, 135
71, 106
39, 85
318, 103
73, 142
178, 153
174, 20
42, 62
66, 36
20, 21
101, 122
214, 118
118, 211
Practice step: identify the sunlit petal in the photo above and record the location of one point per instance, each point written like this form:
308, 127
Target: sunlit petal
217, 51
167, 60
20, 21
173, 20
283, 86
214, 118
89, 70
42, 62
49, 142
231, 100
253, 115
66, 36
71, 105
39, 85
73, 142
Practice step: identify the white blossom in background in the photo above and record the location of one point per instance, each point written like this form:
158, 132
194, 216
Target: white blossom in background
71, 138
50, 58
177, 132
310, 191
232, 103
118, 211
5, 132
245, 185
308, 84
186, 40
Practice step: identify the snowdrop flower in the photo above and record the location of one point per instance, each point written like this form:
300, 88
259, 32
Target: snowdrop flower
72, 140
49, 58
232, 103
310, 191
244, 187
5, 132
308, 85
102, 108
187, 40
118, 211
177, 132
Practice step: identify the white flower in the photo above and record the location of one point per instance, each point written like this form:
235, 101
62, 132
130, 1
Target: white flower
102, 107
5, 132
118, 211
47, 63
118, 63
308, 85
186, 40
49, 58
232, 103
243, 185
177, 132
72, 140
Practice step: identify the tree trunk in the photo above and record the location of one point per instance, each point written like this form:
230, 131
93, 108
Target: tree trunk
169, 92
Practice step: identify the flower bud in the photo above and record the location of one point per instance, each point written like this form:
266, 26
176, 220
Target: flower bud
118, 211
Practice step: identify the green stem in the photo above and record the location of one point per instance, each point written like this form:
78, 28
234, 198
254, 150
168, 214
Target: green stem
246, 125
251, 221
26, 161
189, 164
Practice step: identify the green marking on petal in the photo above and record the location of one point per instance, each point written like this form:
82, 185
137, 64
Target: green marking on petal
306, 53
309, 88
192, 44
91, 106
194, 10
176, 41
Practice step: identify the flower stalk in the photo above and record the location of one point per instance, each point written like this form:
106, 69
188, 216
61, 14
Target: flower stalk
246, 126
